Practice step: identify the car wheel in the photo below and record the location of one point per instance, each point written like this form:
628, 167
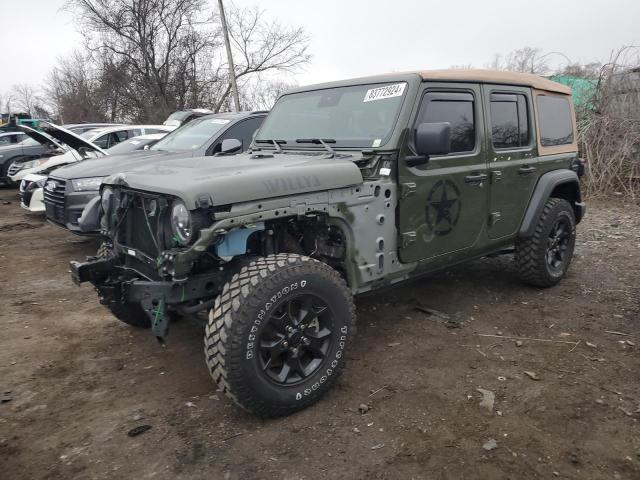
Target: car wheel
277, 336
544, 258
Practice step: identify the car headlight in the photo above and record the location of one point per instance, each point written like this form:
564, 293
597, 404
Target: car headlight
32, 163
181, 223
91, 184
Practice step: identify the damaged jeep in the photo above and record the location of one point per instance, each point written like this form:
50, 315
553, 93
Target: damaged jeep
348, 187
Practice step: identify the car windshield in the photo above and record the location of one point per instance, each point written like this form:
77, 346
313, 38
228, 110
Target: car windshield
360, 116
130, 145
27, 142
192, 135
91, 133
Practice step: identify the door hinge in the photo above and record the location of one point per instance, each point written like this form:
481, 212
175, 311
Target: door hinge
407, 189
494, 217
408, 238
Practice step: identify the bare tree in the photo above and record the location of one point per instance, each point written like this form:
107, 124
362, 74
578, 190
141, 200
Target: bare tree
26, 98
74, 90
609, 131
155, 42
526, 59
589, 70
261, 93
158, 56
263, 46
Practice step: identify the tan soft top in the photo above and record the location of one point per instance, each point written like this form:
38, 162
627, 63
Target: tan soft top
496, 76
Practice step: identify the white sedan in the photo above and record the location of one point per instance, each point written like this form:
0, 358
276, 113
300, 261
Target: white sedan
31, 193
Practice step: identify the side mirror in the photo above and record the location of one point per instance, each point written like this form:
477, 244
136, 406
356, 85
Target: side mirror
83, 151
430, 139
230, 145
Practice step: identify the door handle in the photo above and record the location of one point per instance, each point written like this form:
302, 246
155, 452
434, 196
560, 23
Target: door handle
479, 178
526, 170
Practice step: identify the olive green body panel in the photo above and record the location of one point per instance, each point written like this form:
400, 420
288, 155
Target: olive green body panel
440, 212
512, 172
226, 180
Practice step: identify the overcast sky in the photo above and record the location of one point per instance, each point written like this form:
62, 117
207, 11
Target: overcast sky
358, 37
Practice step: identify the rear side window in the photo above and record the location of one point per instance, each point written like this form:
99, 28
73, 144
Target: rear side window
457, 109
555, 120
509, 121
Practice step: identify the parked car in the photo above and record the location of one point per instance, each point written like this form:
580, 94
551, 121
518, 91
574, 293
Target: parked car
32, 148
185, 116
11, 138
77, 184
143, 142
349, 187
84, 127
76, 149
109, 136
31, 192
33, 179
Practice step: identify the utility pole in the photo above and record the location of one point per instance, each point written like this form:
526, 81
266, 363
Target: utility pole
232, 68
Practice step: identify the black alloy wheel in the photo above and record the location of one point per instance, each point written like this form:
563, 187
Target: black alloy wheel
296, 339
558, 244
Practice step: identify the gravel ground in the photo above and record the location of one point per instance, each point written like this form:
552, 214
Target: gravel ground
562, 366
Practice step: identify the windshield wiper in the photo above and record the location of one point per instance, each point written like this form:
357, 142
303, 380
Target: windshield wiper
275, 143
319, 141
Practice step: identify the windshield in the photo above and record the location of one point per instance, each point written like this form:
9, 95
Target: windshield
360, 116
130, 145
27, 142
191, 136
92, 132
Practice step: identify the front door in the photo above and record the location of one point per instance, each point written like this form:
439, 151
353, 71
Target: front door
443, 203
512, 156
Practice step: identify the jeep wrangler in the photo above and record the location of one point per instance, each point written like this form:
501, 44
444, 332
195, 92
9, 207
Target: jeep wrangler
348, 187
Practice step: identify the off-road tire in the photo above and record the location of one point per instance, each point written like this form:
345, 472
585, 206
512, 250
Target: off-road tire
531, 252
103, 250
241, 313
129, 313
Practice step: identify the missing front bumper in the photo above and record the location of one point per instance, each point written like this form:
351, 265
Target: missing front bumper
115, 284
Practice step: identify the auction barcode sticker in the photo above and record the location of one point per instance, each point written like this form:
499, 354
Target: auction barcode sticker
388, 91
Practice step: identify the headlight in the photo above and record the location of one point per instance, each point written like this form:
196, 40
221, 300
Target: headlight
181, 223
40, 183
91, 184
32, 163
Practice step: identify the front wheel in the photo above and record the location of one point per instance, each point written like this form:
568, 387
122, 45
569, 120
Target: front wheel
544, 258
277, 336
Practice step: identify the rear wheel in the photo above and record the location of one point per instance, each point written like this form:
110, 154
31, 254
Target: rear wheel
277, 335
544, 258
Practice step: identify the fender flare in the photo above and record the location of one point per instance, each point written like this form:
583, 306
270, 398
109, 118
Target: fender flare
545, 186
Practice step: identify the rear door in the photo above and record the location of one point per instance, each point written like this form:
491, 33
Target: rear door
512, 156
443, 205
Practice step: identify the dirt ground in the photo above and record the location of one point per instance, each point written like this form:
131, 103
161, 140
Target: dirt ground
74, 381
